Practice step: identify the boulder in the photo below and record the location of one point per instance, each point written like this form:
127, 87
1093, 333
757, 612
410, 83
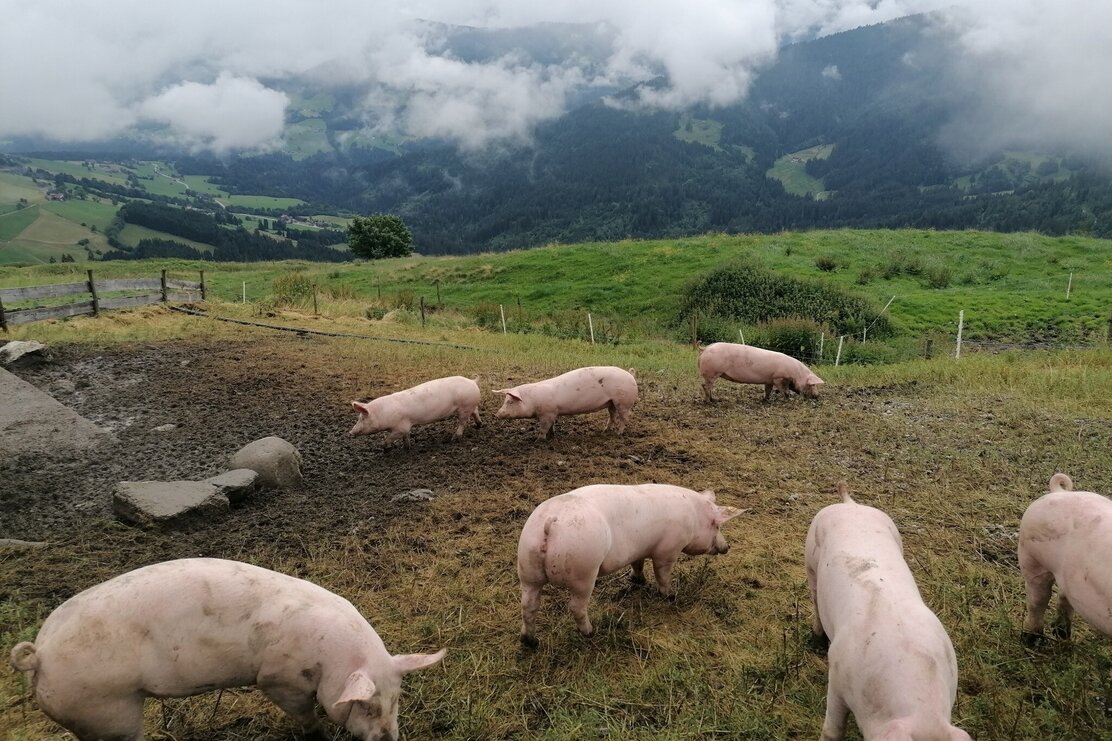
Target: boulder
162, 502
235, 484
276, 461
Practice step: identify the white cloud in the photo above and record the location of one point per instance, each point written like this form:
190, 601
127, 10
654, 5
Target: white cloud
831, 72
209, 70
230, 113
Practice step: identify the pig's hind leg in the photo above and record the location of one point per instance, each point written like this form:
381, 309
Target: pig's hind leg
121, 720
579, 601
530, 603
1039, 582
476, 418
1062, 623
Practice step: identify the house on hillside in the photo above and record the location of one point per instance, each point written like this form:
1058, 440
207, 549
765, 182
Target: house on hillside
56, 195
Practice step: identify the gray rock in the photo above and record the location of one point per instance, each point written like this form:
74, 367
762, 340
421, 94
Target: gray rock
235, 484
414, 495
164, 428
276, 461
15, 543
160, 502
16, 349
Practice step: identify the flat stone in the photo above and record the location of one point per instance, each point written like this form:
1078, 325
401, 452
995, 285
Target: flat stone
235, 484
16, 349
33, 422
414, 495
16, 543
164, 428
277, 462
160, 502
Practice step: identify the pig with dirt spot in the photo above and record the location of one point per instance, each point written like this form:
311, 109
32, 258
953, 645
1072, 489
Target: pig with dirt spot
184, 627
748, 364
1065, 537
891, 661
431, 401
572, 539
581, 391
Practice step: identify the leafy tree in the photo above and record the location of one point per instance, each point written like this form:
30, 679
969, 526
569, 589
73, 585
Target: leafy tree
378, 236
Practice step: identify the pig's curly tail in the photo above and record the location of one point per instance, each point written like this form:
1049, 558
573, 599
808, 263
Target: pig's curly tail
24, 658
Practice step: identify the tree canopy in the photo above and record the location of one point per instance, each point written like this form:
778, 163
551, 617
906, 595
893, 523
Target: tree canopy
378, 236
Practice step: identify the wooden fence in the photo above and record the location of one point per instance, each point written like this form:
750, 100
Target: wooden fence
167, 290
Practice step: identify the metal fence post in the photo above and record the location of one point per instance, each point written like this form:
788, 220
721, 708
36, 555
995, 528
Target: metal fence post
838, 359
503, 313
961, 324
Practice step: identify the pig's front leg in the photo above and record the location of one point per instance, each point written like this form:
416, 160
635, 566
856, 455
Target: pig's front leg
297, 703
662, 568
546, 426
768, 391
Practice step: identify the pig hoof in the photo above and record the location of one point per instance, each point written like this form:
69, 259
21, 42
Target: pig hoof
1032, 640
1061, 631
529, 641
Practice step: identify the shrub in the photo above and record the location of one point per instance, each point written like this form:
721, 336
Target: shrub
866, 276
749, 294
938, 276
902, 263
292, 289
405, 299
793, 336
826, 263
375, 313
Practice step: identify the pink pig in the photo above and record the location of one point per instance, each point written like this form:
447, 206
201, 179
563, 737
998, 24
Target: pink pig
580, 391
574, 538
1065, 537
184, 627
748, 364
891, 662
431, 401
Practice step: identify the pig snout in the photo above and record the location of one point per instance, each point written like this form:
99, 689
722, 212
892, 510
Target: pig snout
719, 545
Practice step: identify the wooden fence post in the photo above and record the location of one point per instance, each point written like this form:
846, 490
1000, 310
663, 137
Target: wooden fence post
93, 291
316, 311
422, 311
822, 339
204, 288
4, 319
438, 292
165, 291
961, 324
695, 330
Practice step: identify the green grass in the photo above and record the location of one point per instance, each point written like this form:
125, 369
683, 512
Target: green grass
13, 223
1011, 286
131, 234
201, 184
92, 213
306, 138
15, 187
107, 172
791, 171
699, 131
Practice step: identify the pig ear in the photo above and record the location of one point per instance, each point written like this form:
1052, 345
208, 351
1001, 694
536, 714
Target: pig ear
813, 380
725, 514
708, 494
508, 392
407, 663
359, 688
361, 408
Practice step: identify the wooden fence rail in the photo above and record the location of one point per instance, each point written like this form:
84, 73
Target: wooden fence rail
166, 290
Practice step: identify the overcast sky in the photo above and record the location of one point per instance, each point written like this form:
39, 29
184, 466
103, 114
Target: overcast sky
198, 71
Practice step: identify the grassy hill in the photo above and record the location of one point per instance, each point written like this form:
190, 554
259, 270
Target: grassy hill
1012, 287
791, 171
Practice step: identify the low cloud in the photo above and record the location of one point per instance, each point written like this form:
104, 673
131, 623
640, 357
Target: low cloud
211, 73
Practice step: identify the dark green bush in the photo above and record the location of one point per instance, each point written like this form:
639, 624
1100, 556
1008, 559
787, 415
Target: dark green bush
826, 263
750, 294
938, 276
791, 335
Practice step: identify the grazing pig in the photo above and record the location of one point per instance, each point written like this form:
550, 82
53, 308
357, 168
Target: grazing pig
431, 401
574, 538
580, 391
748, 364
1066, 537
180, 628
891, 662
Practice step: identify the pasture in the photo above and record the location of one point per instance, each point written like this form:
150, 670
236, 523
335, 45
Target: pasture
953, 450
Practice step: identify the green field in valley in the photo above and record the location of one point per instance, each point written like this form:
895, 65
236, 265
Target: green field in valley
791, 171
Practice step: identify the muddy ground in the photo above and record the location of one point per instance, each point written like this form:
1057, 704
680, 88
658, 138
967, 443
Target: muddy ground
728, 655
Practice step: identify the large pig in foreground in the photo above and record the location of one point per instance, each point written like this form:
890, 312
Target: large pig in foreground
184, 627
891, 662
574, 538
580, 391
748, 364
1066, 537
431, 401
